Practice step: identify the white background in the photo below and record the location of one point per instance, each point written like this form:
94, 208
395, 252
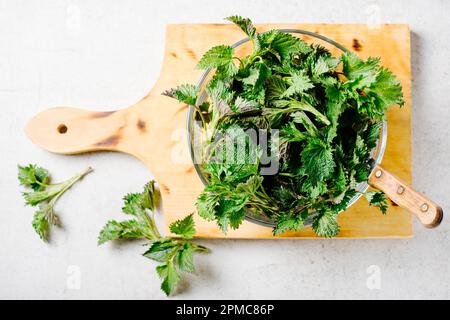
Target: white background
106, 54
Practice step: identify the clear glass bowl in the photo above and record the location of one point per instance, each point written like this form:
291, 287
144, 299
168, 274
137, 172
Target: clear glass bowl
244, 47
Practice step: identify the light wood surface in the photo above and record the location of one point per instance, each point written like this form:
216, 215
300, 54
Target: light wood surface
154, 129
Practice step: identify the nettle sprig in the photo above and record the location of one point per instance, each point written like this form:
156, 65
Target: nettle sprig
44, 195
174, 255
328, 112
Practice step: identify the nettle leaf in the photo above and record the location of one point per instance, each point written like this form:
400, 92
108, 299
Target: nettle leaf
185, 258
324, 64
227, 70
41, 225
344, 201
360, 150
320, 67
128, 229
216, 57
317, 158
33, 198
242, 105
285, 195
221, 96
231, 212
47, 209
356, 68
325, 224
148, 196
298, 84
254, 95
258, 74
236, 217
169, 275
252, 77
304, 106
387, 89
184, 227
132, 204
377, 199
185, 93
340, 180
362, 171
161, 250
237, 157
290, 133
300, 117
250, 186
286, 222
223, 204
245, 24
275, 87
372, 134
206, 204
34, 177
283, 43
313, 191
334, 110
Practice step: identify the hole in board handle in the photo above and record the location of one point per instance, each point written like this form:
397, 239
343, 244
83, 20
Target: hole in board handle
62, 128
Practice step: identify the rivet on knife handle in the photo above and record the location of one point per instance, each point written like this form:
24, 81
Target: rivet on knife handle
428, 212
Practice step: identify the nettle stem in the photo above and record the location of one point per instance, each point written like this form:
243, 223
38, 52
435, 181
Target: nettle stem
69, 183
154, 233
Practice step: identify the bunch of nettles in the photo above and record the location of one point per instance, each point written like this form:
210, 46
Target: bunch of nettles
174, 255
44, 195
328, 112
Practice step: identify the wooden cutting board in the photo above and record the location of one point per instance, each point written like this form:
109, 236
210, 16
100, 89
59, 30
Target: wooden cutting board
154, 129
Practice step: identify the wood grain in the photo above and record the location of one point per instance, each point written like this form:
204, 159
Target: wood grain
154, 129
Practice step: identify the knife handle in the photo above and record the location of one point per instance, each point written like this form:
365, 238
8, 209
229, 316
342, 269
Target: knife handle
429, 213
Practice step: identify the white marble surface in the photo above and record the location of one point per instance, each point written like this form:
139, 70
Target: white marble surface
106, 54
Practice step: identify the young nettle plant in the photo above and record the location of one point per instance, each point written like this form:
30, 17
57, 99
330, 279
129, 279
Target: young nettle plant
328, 110
174, 255
44, 195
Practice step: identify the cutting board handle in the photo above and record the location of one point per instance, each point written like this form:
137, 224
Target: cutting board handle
429, 213
72, 130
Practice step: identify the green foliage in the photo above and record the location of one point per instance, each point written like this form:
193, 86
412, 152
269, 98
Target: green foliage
370, 87
220, 57
186, 93
184, 227
298, 83
44, 195
283, 45
328, 110
325, 224
33, 177
245, 24
174, 256
377, 199
128, 229
286, 222
41, 224
317, 158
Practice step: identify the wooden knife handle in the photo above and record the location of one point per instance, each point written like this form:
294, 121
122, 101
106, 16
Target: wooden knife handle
72, 130
428, 212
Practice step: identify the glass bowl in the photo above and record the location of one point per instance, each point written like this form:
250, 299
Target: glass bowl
244, 47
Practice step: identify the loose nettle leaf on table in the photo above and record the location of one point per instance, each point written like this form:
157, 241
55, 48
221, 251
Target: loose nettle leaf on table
328, 111
44, 195
174, 255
